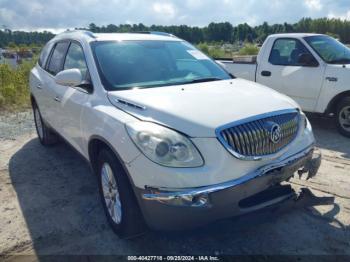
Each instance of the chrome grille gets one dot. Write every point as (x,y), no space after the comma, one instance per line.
(261,136)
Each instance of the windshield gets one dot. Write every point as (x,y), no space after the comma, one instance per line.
(330,50)
(140,64)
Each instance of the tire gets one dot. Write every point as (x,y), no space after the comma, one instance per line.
(117,196)
(343,117)
(46,136)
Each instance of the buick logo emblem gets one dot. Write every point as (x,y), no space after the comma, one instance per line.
(275,133)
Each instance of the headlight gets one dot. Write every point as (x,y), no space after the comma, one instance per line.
(304,122)
(163,145)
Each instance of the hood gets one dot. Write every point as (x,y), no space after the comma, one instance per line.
(198,109)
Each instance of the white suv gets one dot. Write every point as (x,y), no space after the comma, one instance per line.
(174,139)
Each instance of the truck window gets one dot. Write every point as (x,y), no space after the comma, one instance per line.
(329,49)
(286,52)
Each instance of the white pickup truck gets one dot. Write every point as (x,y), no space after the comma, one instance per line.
(312,69)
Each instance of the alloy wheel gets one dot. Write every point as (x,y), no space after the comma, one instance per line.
(111,193)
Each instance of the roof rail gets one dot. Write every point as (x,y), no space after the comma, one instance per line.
(85,32)
(155,33)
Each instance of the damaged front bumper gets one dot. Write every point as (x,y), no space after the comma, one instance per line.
(180,209)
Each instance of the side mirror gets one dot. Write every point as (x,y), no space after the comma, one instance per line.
(69,77)
(307,59)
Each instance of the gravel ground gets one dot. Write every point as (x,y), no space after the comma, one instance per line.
(15,125)
(49,204)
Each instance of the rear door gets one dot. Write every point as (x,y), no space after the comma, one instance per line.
(53,66)
(282,71)
(39,86)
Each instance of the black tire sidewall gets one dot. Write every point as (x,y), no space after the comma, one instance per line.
(41,139)
(49,137)
(343,103)
(131,219)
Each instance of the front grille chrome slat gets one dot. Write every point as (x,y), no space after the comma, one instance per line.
(247,140)
(242,140)
(256,138)
(259,138)
(237,141)
(229,139)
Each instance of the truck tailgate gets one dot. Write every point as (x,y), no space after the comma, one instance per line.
(243,70)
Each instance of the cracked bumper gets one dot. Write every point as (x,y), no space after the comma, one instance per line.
(185,208)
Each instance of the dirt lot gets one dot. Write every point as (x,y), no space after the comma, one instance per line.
(49,204)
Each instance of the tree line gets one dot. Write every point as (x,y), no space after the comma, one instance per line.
(18,38)
(214,32)
(226,32)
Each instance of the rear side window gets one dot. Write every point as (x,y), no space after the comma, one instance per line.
(56,61)
(286,52)
(75,59)
(44,54)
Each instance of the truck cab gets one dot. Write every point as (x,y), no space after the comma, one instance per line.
(312,69)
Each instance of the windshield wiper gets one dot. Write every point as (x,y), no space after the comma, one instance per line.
(340,61)
(201,80)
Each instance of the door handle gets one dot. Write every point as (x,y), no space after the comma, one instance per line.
(265,73)
(57,99)
(39,86)
(331,79)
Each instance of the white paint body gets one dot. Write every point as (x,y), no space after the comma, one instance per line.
(308,86)
(194,109)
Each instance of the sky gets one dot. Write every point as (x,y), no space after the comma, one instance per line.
(59,15)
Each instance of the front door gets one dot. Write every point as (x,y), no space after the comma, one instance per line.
(284,73)
(73,100)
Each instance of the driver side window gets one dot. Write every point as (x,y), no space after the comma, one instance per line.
(75,59)
(287,52)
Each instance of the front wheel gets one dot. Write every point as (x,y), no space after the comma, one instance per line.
(343,117)
(118,199)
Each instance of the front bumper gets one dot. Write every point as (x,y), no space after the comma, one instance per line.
(166,209)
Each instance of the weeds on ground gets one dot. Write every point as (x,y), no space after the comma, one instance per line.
(249,49)
(14,88)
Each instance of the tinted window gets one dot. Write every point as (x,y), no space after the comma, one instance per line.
(287,52)
(129,64)
(75,59)
(57,57)
(44,54)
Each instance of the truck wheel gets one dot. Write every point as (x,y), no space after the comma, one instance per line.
(118,199)
(343,117)
(45,135)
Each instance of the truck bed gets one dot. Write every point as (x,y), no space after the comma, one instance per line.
(241,66)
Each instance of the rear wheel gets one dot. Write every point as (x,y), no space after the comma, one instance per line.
(343,117)
(118,199)
(45,135)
